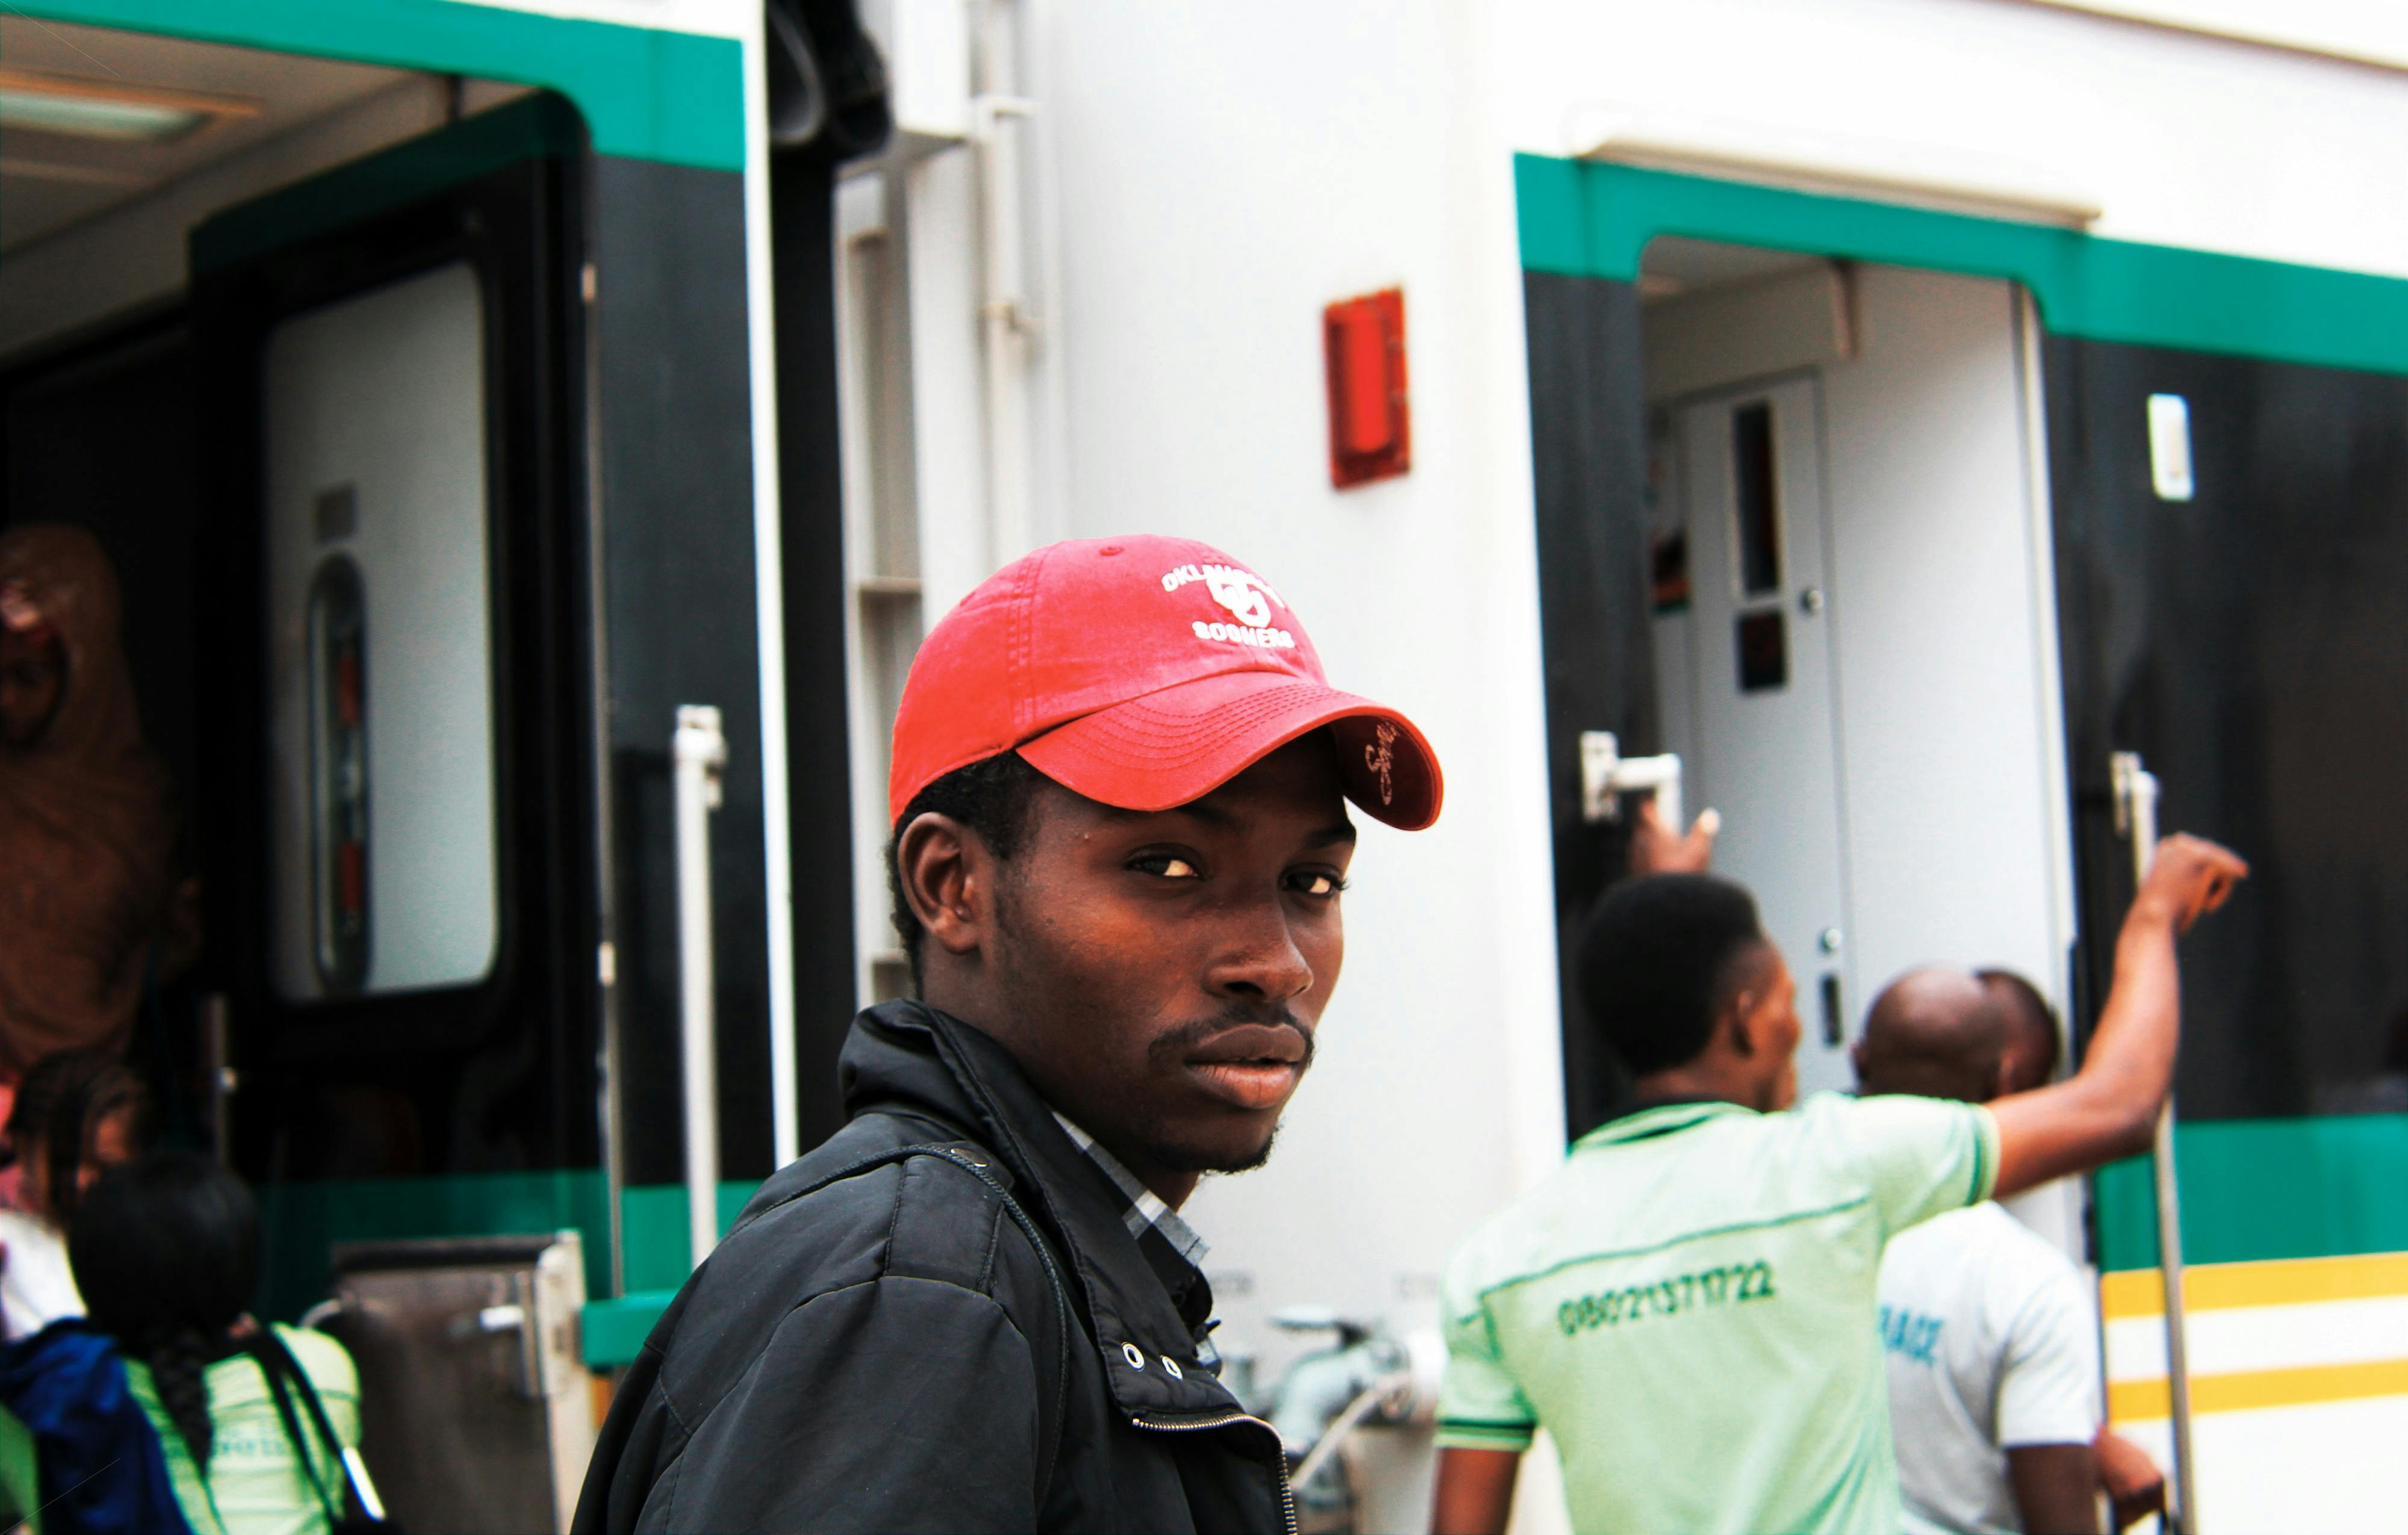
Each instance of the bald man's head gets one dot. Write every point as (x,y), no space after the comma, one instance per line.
(1934,1033)
(2032,1029)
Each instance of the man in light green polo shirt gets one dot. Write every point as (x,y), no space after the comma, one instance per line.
(1688,1304)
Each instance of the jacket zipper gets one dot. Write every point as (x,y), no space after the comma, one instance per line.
(1287,1492)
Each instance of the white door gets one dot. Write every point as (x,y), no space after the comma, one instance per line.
(1761,718)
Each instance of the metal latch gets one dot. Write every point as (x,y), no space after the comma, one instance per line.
(1607,774)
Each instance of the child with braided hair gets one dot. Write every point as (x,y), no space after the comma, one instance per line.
(167,1251)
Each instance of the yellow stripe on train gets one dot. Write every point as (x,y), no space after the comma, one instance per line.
(2138,1402)
(2282,1282)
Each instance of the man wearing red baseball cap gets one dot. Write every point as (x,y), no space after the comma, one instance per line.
(1118,796)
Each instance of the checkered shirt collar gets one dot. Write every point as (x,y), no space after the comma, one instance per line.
(1158,1230)
(1171,1247)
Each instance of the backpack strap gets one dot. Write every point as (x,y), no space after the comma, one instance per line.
(982,1165)
(275,1362)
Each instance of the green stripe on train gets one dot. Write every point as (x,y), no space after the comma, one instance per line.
(1588,219)
(646,93)
(2254,1189)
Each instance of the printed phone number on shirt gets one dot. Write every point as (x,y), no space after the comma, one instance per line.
(1730,1284)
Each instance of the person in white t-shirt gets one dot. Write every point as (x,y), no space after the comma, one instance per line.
(1989,1330)
(2135,1487)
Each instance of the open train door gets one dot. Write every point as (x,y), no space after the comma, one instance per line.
(402,856)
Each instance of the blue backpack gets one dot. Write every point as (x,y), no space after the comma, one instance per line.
(102,1472)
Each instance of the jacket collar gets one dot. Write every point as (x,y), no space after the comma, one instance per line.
(903,1057)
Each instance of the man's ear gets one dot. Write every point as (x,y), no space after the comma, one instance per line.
(1739,1023)
(947,876)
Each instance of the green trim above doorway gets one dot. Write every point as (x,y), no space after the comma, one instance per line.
(646,93)
(1590,218)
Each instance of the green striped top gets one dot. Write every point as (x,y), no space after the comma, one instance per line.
(1687,1306)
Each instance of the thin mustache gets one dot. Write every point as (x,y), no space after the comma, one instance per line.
(1167,1049)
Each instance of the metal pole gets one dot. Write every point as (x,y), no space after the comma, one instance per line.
(217,1049)
(2136,815)
(698,752)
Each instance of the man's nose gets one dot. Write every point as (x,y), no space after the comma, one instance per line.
(1256,958)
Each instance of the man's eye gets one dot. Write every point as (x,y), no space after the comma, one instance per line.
(1319,884)
(1170,866)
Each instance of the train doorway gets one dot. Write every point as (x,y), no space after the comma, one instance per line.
(2081,497)
(416,413)
(1834,525)
(300,349)
(1844,535)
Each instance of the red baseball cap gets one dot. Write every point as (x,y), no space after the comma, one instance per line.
(1141,672)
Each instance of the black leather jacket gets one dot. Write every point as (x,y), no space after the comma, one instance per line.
(884,1343)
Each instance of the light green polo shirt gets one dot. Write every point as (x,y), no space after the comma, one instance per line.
(254,1486)
(254,1483)
(1687,1307)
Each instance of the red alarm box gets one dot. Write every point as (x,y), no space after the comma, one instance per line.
(1370,429)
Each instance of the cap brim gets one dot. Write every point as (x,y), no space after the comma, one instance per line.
(1183,743)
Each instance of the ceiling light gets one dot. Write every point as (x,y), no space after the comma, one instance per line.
(84,117)
(121,114)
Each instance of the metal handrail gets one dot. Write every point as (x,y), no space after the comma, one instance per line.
(2136,817)
(698,752)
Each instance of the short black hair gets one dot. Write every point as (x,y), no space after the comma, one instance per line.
(1656,962)
(991,796)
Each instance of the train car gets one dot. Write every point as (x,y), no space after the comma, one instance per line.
(1897,410)
(416,363)
(1901,411)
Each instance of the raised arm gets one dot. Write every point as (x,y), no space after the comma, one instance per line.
(2108,1108)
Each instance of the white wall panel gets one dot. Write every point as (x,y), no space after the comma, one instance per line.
(1224,172)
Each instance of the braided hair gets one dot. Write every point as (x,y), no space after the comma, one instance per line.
(180,1362)
(166,1252)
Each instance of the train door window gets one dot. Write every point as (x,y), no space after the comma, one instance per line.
(1755,501)
(1758,722)
(2249,647)
(379,642)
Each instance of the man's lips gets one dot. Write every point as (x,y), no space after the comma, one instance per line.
(1251,1042)
(1252,1066)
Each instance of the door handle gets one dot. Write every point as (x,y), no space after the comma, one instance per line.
(1605,773)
